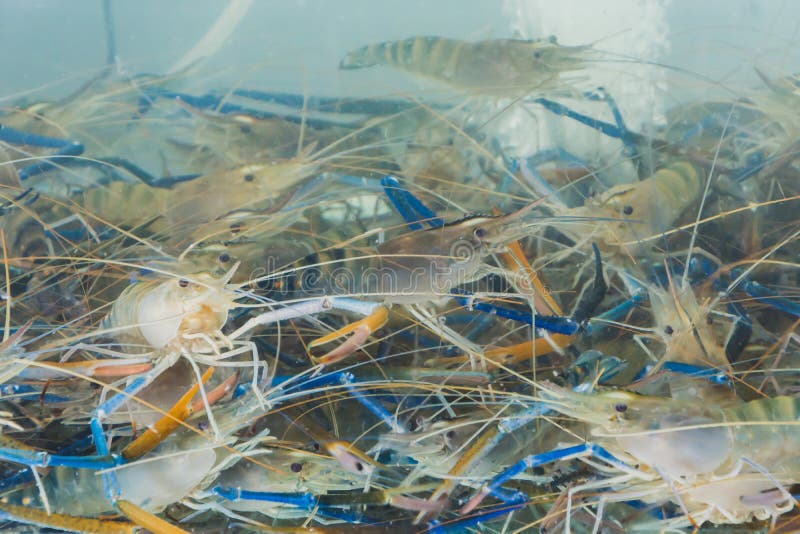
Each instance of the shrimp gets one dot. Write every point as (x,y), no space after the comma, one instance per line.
(424,266)
(500,67)
(153,485)
(173,314)
(721,465)
(295,471)
(158,321)
(684,327)
(184,207)
(640,211)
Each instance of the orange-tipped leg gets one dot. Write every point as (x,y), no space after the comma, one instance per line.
(162,428)
(512,354)
(516,262)
(526,349)
(361,331)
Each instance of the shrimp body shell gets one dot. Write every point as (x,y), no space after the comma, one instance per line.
(158,313)
(152,485)
(293,472)
(497,67)
(643,209)
(187,207)
(708,453)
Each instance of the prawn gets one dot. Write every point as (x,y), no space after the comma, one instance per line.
(496,67)
(641,210)
(702,457)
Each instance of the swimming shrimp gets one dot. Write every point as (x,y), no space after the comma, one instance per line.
(498,67)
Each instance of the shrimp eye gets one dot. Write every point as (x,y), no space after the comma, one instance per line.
(249,177)
(359,466)
(479,233)
(709,320)
(621,408)
(224,257)
(451,434)
(669,330)
(245,129)
(183,282)
(627,210)
(537,55)
(296,467)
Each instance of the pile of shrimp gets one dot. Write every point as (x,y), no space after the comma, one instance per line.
(259,311)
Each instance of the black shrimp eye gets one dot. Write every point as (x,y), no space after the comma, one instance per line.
(249,177)
(479,233)
(245,129)
(224,257)
(359,466)
(451,434)
(621,408)
(709,320)
(183,282)
(668,330)
(627,210)
(296,467)
(537,55)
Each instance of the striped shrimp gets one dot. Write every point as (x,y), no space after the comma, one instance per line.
(721,465)
(497,67)
(640,211)
(181,209)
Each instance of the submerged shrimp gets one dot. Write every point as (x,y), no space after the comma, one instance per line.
(496,67)
(640,210)
(726,465)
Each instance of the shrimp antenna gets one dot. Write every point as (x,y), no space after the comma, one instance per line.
(7,327)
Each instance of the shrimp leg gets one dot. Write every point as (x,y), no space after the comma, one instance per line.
(65,147)
(592,367)
(510,504)
(409,206)
(584,450)
(617,131)
(552,323)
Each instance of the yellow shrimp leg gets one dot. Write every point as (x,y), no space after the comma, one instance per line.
(469,459)
(162,428)
(34,516)
(515,261)
(521,351)
(147,520)
(361,329)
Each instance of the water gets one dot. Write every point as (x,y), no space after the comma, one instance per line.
(176,224)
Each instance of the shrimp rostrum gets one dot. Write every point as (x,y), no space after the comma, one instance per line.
(719,465)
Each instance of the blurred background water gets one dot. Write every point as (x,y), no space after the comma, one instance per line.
(296,44)
(654,54)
